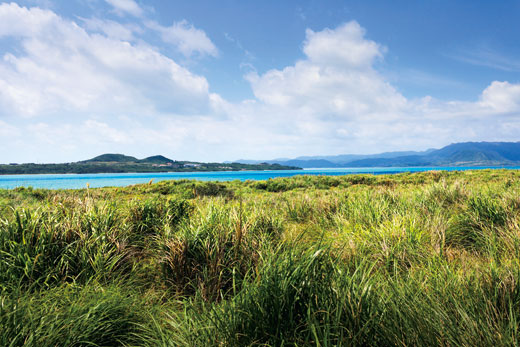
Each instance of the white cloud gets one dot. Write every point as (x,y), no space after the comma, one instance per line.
(344,46)
(126,6)
(60,67)
(7,130)
(105,132)
(334,101)
(501,97)
(19,21)
(186,38)
(112,28)
(335,81)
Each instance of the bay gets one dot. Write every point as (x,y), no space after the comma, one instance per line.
(78,181)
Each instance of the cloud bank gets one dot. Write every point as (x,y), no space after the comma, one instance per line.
(73,89)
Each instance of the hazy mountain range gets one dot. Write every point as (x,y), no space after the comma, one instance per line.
(457,154)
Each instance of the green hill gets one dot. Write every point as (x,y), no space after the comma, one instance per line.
(112,158)
(119,163)
(156,159)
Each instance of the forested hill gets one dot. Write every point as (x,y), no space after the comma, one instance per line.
(119,163)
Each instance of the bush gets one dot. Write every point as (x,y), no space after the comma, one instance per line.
(201,189)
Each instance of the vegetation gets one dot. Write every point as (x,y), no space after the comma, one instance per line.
(429,259)
(119,163)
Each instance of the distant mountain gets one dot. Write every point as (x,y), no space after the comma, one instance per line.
(121,158)
(112,158)
(156,159)
(332,161)
(345,158)
(307,163)
(500,151)
(457,154)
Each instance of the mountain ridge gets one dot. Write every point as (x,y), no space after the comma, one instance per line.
(122,158)
(455,154)
(111,158)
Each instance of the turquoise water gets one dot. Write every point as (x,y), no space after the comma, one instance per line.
(74,181)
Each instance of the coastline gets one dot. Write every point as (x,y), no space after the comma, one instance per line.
(99,180)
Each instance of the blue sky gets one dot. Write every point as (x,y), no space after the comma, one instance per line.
(222,80)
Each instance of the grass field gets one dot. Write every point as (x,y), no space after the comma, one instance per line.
(423,259)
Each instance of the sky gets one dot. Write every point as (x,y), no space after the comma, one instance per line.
(230,79)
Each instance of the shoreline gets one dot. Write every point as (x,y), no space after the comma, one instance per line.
(99,180)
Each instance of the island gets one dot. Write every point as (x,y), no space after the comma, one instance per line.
(120,163)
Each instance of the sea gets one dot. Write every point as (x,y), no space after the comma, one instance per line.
(78,181)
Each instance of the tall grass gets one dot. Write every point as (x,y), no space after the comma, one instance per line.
(43,248)
(74,316)
(426,259)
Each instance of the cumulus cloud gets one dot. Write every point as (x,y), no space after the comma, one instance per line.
(335,81)
(501,97)
(186,38)
(335,101)
(126,7)
(61,67)
(83,88)
(19,21)
(343,46)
